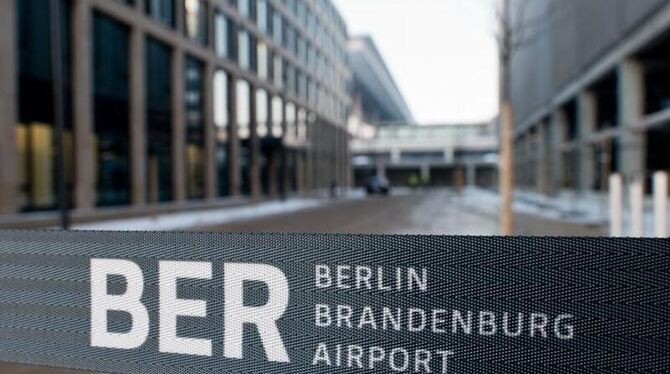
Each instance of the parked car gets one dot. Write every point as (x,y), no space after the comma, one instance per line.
(378,185)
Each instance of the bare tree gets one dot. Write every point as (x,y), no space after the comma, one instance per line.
(515,31)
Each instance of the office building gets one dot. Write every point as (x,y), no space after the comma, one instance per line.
(172,101)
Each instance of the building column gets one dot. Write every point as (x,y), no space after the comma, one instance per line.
(9,181)
(558,130)
(271,161)
(84,138)
(543,159)
(254,148)
(211,182)
(631,110)
(178,127)
(587,108)
(138,148)
(284,185)
(234,171)
(471,174)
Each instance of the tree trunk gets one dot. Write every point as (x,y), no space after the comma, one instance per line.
(506,167)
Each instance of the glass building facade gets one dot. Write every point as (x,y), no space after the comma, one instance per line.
(177,100)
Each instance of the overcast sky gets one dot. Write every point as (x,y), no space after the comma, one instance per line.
(442,53)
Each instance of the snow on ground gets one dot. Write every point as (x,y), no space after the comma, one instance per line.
(203,218)
(591,209)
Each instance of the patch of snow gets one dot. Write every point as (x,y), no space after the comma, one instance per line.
(202,218)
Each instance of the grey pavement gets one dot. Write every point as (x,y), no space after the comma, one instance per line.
(428,212)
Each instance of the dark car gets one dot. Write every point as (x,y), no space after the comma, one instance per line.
(378,185)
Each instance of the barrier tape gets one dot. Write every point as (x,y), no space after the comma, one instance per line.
(127,302)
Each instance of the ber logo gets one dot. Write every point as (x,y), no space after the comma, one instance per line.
(236,314)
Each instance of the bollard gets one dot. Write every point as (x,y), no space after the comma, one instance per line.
(661,204)
(637,208)
(616,198)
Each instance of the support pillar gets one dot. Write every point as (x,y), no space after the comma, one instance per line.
(631,109)
(283,163)
(84,138)
(255,148)
(9,180)
(234,171)
(137,131)
(471,174)
(273,187)
(558,130)
(587,108)
(211,181)
(543,159)
(178,127)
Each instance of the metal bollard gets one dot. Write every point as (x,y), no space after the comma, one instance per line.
(616,206)
(637,208)
(661,204)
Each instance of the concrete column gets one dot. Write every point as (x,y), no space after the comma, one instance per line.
(273,187)
(558,130)
(9,181)
(255,148)
(272,173)
(631,109)
(471,174)
(543,159)
(234,171)
(284,185)
(178,126)
(211,180)
(587,109)
(86,158)
(309,162)
(138,148)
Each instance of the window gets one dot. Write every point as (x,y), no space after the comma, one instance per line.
(195,14)
(244,8)
(111,108)
(159,120)
(243,109)
(35,131)
(220,115)
(221,38)
(194,110)
(301,133)
(262,15)
(277,113)
(243,50)
(277,25)
(261,113)
(262,55)
(290,133)
(277,71)
(161,10)
(220,107)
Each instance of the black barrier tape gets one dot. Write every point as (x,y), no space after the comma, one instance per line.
(285,303)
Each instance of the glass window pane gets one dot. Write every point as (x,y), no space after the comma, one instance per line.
(161,10)
(220,107)
(159,120)
(262,15)
(195,14)
(194,109)
(243,109)
(243,49)
(261,113)
(221,35)
(277,113)
(262,55)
